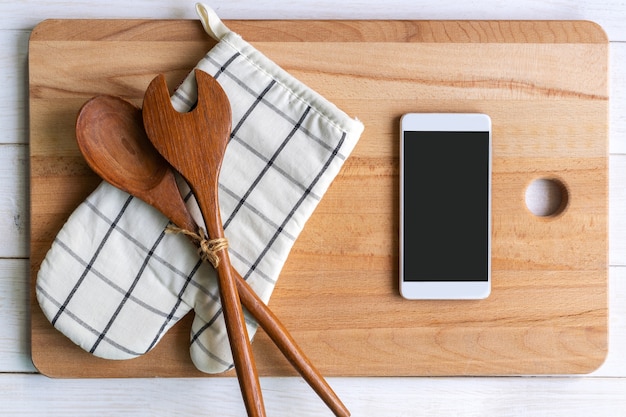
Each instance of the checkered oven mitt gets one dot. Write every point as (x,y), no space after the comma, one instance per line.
(114,282)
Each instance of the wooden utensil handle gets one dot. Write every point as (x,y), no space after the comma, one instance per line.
(240,345)
(273,327)
(288,346)
(239,341)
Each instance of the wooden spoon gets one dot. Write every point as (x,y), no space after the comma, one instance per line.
(194,143)
(111,137)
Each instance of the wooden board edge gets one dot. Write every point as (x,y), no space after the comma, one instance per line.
(439,31)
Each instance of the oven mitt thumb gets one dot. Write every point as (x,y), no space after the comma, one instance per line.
(114,281)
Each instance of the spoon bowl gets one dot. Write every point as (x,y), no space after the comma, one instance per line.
(110,135)
(119,152)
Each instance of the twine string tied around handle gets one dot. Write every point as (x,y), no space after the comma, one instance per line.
(207,248)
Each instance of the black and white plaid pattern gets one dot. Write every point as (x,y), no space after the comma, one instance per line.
(114,282)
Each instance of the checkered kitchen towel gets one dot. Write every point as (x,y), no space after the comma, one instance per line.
(114,282)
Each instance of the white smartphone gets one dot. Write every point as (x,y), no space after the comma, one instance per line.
(445,206)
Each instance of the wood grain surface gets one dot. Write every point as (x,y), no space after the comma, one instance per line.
(545,86)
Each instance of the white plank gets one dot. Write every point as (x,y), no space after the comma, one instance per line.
(14,216)
(617,99)
(14,80)
(608,13)
(615,363)
(617,210)
(573,397)
(14,310)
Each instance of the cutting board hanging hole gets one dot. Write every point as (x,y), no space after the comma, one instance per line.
(547,197)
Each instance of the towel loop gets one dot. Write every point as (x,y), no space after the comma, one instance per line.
(211,22)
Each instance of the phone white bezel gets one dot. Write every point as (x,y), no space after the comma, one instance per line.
(443,290)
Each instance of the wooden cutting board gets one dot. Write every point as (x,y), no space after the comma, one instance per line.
(544,84)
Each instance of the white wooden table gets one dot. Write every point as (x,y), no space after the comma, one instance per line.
(24,392)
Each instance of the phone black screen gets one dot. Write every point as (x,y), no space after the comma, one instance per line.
(446,206)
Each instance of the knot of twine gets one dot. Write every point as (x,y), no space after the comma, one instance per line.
(207,249)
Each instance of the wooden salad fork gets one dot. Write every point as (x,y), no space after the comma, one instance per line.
(194,143)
